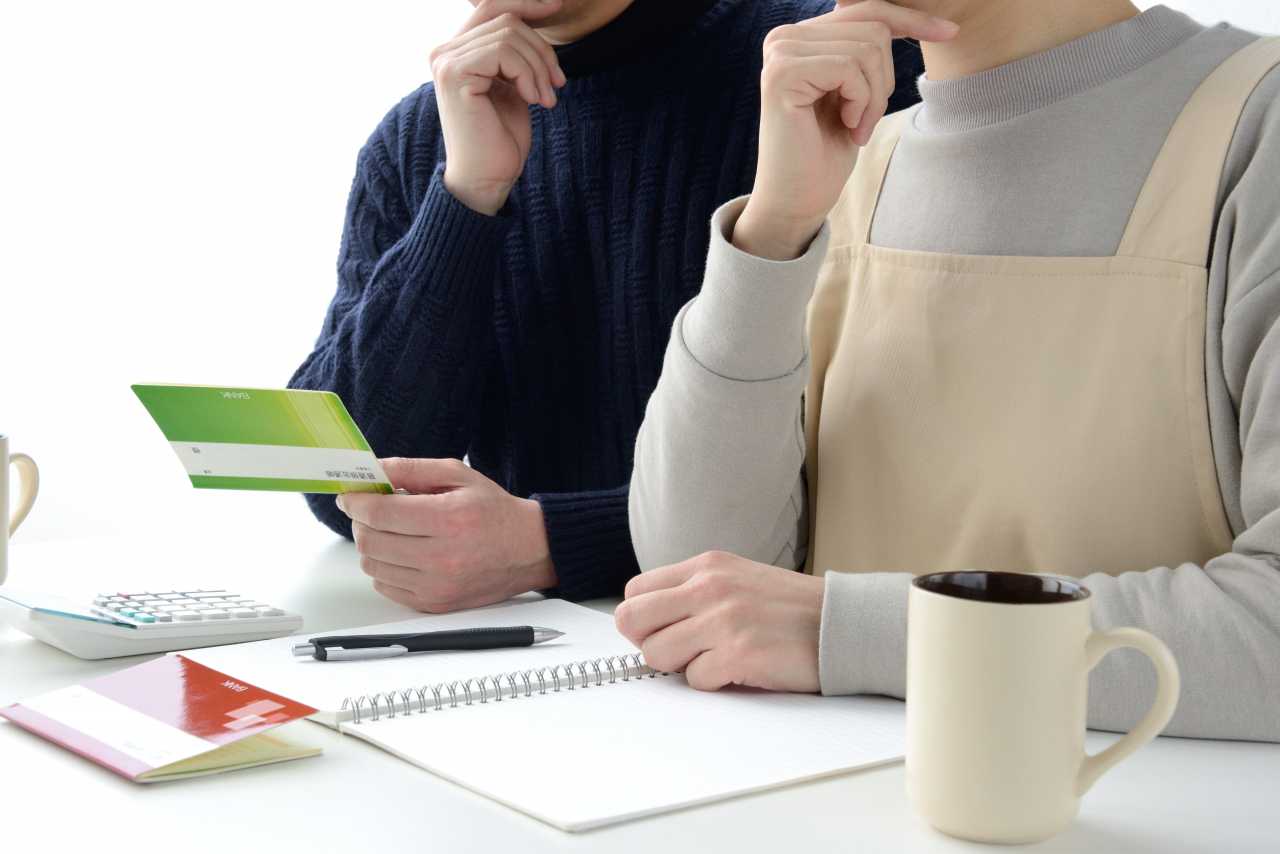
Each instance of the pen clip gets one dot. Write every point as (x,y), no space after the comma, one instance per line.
(337,653)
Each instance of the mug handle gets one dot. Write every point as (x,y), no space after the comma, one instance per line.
(29,480)
(1099,644)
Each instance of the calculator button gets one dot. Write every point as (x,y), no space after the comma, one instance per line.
(250,604)
(131,595)
(199,606)
(114,606)
(185,615)
(144,618)
(243,612)
(183,601)
(163,618)
(268,611)
(128,612)
(170,596)
(101,600)
(215,614)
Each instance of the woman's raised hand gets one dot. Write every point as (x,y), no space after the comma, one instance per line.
(826,83)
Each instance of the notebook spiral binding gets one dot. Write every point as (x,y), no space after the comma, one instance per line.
(632,666)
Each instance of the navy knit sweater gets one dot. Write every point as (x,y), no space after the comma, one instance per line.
(531,340)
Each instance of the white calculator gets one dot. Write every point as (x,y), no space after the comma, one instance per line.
(132,623)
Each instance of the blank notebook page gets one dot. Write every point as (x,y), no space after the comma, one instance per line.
(589,756)
(654,745)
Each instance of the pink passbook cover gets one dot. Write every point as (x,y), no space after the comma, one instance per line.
(153,715)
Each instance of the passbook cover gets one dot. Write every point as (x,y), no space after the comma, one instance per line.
(281,440)
(165,720)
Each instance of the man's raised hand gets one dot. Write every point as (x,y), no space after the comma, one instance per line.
(485,78)
(826,83)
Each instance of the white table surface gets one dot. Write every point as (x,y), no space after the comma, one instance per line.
(1176,795)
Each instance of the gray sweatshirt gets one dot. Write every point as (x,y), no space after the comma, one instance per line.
(1044,156)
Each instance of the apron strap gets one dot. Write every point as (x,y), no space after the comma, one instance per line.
(862,191)
(1173,217)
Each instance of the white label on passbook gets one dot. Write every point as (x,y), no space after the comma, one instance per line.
(287,462)
(131,732)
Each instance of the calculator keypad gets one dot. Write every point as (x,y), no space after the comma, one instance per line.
(182,607)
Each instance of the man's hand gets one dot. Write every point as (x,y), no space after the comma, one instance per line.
(723,620)
(484,78)
(826,83)
(462,542)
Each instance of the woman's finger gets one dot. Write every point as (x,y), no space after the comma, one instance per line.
(641,616)
(672,648)
(901,21)
(802,81)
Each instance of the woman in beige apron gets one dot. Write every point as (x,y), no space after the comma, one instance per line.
(1024,414)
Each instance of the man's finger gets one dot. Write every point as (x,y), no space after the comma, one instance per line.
(902,22)
(399,595)
(403,577)
(427,476)
(400,549)
(521,30)
(521,45)
(527,10)
(411,515)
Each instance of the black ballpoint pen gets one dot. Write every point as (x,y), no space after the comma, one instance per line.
(360,647)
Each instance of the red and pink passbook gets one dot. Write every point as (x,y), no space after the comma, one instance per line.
(167,719)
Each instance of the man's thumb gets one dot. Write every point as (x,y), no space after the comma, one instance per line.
(424,476)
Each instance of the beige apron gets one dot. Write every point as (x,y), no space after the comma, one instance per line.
(1023,414)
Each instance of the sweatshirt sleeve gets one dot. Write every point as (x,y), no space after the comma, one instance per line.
(720,454)
(407,338)
(1222,620)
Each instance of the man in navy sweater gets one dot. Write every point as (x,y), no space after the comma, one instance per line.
(519,237)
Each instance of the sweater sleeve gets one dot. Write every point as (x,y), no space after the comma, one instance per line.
(1222,620)
(407,338)
(719,456)
(590,543)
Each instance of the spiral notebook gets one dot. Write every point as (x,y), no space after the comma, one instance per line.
(583,734)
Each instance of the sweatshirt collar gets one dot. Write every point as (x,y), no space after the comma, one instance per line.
(1008,91)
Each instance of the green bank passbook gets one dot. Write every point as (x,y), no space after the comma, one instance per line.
(283,440)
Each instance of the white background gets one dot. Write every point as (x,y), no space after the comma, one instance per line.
(172,182)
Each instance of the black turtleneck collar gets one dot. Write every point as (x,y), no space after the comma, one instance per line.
(642,26)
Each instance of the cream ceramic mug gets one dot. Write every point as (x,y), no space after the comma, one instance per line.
(29,482)
(997,679)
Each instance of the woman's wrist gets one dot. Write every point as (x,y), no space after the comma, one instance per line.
(770,236)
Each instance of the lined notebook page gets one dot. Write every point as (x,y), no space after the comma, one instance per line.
(270,664)
(654,745)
